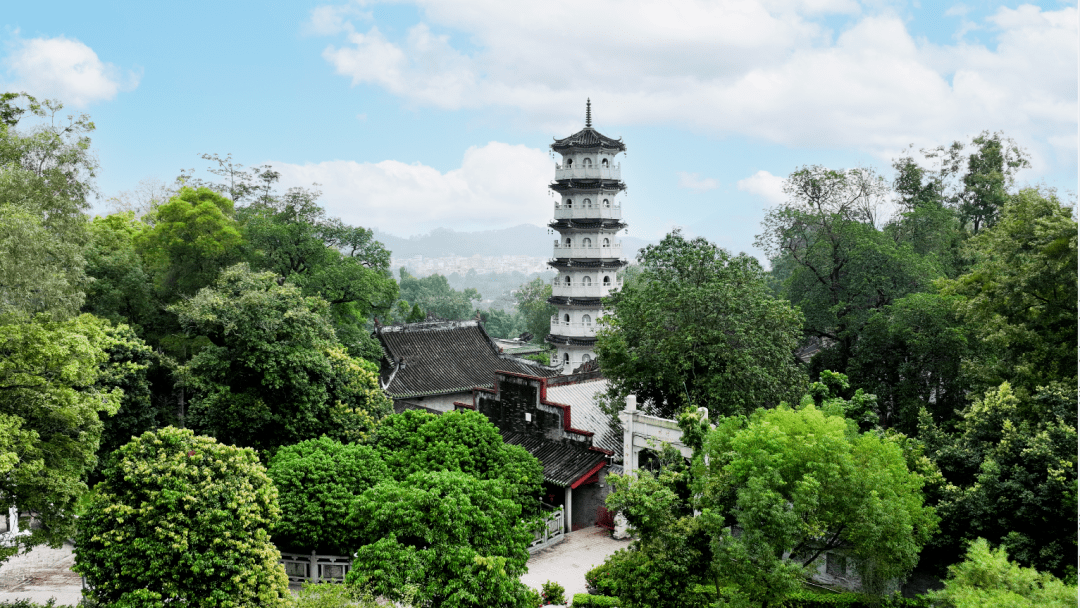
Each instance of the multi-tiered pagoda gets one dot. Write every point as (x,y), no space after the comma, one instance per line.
(587,254)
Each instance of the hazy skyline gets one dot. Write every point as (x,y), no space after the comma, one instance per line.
(416,115)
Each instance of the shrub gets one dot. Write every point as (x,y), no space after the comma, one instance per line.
(587,600)
(553,593)
(317,481)
(600,581)
(185,520)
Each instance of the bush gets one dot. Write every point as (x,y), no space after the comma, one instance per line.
(553,593)
(600,581)
(185,520)
(317,481)
(588,600)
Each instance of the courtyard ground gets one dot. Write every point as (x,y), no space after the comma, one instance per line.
(44,573)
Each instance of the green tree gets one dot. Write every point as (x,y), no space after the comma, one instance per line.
(1011,477)
(842,267)
(800,482)
(434,295)
(182,519)
(988,579)
(126,370)
(273,372)
(1020,294)
(121,291)
(532,304)
(50,413)
(502,324)
(699,326)
(194,236)
(462,441)
(344,265)
(452,537)
(317,481)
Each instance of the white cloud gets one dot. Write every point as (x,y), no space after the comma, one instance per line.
(768,70)
(65,69)
(769,187)
(497,185)
(693,181)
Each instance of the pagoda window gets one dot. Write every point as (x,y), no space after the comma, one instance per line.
(569,163)
(586,320)
(568,279)
(607,203)
(607,243)
(586,162)
(586,242)
(568,242)
(585,358)
(586,281)
(607,281)
(588,203)
(569,203)
(604,163)
(566,358)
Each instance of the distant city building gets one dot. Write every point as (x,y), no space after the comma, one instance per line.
(587,217)
(420,266)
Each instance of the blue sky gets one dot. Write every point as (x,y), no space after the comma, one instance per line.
(416,115)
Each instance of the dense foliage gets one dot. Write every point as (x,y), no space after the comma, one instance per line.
(182,518)
(988,579)
(699,326)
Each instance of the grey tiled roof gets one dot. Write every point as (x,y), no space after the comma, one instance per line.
(585,412)
(564,462)
(588,138)
(442,357)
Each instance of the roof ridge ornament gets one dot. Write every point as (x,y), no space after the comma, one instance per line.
(588,113)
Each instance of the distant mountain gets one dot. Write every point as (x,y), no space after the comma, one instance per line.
(524,239)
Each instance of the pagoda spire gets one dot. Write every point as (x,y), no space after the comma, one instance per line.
(588,113)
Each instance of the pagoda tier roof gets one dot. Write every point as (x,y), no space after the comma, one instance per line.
(588,139)
(556,339)
(588,224)
(566,301)
(572,263)
(586,185)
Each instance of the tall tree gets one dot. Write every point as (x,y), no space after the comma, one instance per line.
(434,295)
(273,372)
(699,326)
(532,303)
(842,266)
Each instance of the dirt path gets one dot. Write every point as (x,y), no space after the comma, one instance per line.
(40,574)
(567,562)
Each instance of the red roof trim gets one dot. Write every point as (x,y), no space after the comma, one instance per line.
(586,476)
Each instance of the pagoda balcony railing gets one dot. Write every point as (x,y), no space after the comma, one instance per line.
(577,251)
(596,289)
(577,212)
(573,330)
(597,171)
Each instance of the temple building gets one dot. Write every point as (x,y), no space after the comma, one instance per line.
(588,216)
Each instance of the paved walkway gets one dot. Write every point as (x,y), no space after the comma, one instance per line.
(567,562)
(43,572)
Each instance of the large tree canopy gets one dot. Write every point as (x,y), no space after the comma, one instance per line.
(273,372)
(699,326)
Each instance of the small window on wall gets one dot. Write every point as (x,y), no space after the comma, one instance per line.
(607,243)
(586,281)
(567,279)
(569,163)
(604,162)
(586,162)
(568,241)
(586,242)
(569,203)
(588,203)
(607,281)
(607,204)
(566,358)
(586,320)
(566,318)
(585,358)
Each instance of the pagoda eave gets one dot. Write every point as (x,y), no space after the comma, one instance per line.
(568,301)
(569,341)
(586,185)
(589,263)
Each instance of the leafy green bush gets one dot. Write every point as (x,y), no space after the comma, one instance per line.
(599,580)
(185,520)
(987,578)
(586,600)
(317,481)
(553,593)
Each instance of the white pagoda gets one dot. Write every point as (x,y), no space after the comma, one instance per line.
(587,256)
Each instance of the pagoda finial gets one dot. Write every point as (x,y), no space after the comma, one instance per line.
(588,112)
